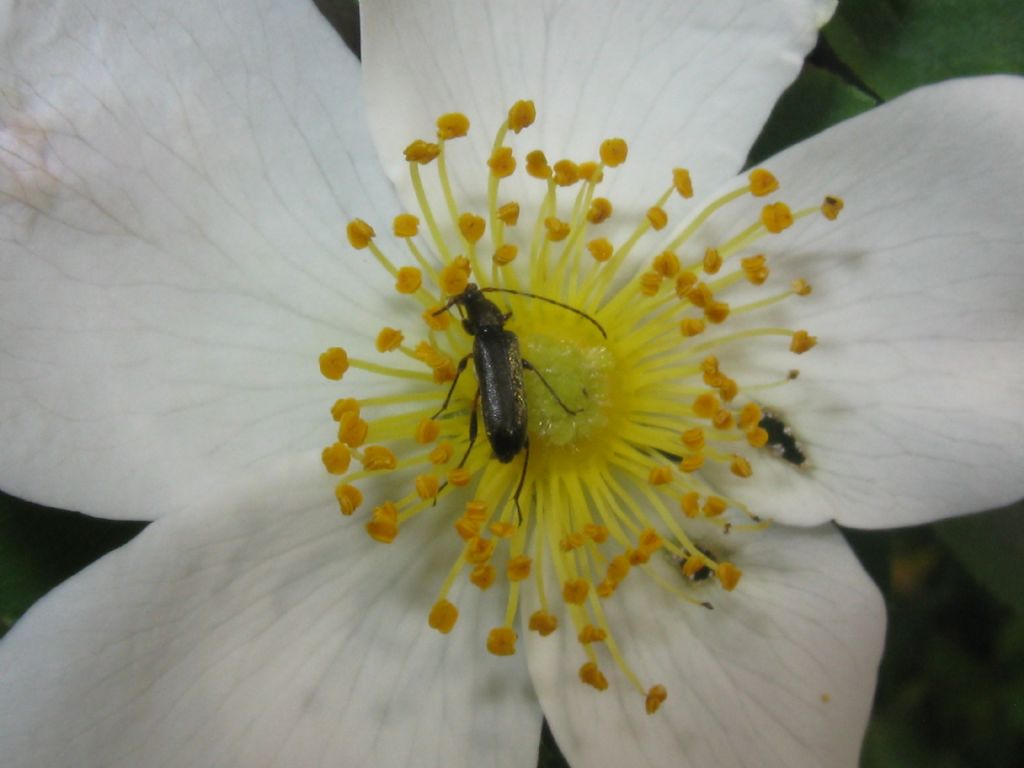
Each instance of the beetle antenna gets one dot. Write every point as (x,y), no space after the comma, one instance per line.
(448,305)
(549,301)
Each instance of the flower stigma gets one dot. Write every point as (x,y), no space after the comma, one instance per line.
(627,404)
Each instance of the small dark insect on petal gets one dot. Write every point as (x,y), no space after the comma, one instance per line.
(781,439)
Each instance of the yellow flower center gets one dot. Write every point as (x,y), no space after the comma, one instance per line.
(563,426)
(581,371)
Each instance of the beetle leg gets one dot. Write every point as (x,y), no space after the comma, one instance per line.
(529,367)
(522,479)
(472,440)
(458,372)
(472,428)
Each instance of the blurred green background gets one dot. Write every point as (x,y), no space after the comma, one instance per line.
(951,687)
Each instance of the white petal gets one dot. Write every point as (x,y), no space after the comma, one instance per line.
(685,83)
(911,407)
(781,672)
(175,181)
(262,629)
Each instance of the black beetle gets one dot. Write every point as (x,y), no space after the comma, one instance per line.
(499,367)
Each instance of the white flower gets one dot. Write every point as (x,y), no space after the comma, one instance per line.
(177,179)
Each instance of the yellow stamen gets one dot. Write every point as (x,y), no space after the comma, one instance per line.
(614,152)
(557,230)
(706,405)
(521,115)
(409,280)
(716,312)
(518,568)
(427,431)
(802,341)
(694,564)
(334,363)
(336,458)
(801,287)
(359,234)
(406,225)
(592,676)
(692,463)
(591,171)
(455,277)
(650,282)
(509,214)
(729,576)
(600,249)
(776,217)
(657,217)
(712,261)
(427,486)
(831,207)
(377,457)
(762,182)
(479,550)
(483,576)
(682,182)
(472,227)
(714,506)
(572,541)
(741,467)
(600,210)
(685,283)
(692,326)
(441,454)
(537,165)
(755,268)
(452,126)
(349,498)
(421,152)
(693,438)
(655,698)
(591,634)
(666,264)
(503,530)
(543,623)
(565,173)
(757,437)
(459,477)
(575,591)
(383,525)
(660,476)
(352,430)
(436,319)
(343,406)
(690,504)
(750,416)
(443,616)
(502,641)
(502,163)
(506,254)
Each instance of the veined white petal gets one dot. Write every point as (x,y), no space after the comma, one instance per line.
(781,672)
(685,83)
(175,181)
(911,406)
(258,628)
